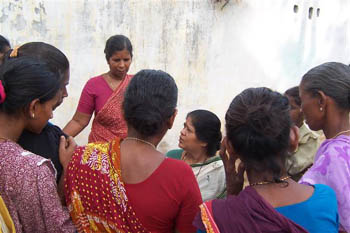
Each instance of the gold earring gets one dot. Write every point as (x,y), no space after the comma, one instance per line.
(33,115)
(321,109)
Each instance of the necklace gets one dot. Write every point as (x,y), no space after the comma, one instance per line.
(341,132)
(199,171)
(140,140)
(269,182)
(183,157)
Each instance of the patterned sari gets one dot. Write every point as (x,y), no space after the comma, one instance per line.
(96,196)
(109,121)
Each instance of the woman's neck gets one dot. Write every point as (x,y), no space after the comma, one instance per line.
(10,127)
(113,77)
(257,177)
(336,124)
(132,133)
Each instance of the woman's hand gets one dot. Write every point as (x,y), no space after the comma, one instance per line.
(234,177)
(66,150)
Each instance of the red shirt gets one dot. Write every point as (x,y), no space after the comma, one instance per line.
(95,94)
(168,199)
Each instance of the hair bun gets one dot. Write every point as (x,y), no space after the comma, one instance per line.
(146,120)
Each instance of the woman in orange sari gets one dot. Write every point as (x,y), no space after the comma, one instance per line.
(126,185)
(103,95)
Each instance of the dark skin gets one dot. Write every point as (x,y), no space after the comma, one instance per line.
(135,166)
(296,114)
(322,113)
(275,194)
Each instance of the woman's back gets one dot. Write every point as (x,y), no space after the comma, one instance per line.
(127,185)
(167,199)
(250,212)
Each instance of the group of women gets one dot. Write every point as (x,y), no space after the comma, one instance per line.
(120,182)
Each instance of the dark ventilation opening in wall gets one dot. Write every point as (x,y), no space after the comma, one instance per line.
(318,12)
(296,8)
(311,12)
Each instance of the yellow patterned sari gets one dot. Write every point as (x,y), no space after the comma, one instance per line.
(95,193)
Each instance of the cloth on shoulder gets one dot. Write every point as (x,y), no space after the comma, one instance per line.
(247,212)
(332,168)
(99,200)
(95,194)
(45,144)
(109,121)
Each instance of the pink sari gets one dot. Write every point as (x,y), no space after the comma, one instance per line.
(109,121)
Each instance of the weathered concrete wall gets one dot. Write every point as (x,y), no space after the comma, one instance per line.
(213,53)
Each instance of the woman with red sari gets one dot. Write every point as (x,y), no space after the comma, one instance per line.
(259,133)
(103,95)
(127,185)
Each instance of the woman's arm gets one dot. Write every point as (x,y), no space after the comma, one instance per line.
(66,150)
(77,124)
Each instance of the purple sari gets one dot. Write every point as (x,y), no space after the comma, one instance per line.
(247,212)
(332,168)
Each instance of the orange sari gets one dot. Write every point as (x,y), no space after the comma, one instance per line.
(95,193)
(109,121)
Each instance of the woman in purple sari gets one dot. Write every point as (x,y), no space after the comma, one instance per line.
(325,97)
(260,133)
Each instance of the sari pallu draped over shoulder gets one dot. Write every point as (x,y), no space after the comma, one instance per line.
(109,121)
(95,194)
(247,212)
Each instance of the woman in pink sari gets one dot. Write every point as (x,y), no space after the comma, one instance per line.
(103,95)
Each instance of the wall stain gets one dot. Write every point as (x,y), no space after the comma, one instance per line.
(19,23)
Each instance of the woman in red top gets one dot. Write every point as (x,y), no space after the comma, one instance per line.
(126,185)
(103,95)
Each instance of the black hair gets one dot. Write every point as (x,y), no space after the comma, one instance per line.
(258,126)
(3,44)
(333,79)
(25,79)
(117,43)
(149,101)
(294,93)
(207,128)
(56,61)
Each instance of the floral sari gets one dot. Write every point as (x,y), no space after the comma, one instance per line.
(95,193)
(109,121)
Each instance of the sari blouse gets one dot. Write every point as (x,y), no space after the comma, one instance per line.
(98,97)
(99,201)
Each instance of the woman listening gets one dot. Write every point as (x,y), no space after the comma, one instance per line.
(325,101)
(259,133)
(29,91)
(127,185)
(199,141)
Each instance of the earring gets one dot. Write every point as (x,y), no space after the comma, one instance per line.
(321,109)
(33,115)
